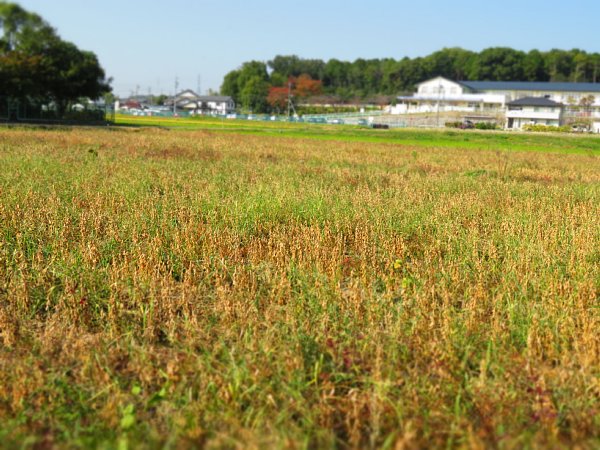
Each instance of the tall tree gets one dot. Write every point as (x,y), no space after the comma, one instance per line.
(533,67)
(559,65)
(235,84)
(36,63)
(498,64)
(278,97)
(254,94)
(305,86)
(21,28)
(230,85)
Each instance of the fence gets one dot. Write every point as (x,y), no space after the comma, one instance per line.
(373,119)
(30,111)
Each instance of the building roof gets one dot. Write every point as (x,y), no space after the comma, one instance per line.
(531,86)
(535,101)
(190,96)
(214,98)
(489,98)
(187,91)
(139,98)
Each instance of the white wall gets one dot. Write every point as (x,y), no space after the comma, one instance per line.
(440,86)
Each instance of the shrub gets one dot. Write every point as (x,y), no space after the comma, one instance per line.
(547,128)
(486,126)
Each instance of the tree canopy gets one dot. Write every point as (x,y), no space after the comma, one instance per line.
(369,78)
(35,63)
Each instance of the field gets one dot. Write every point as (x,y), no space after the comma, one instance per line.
(269,286)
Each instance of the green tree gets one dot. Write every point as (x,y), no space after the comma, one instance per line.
(254,95)
(534,67)
(498,64)
(583,66)
(235,83)
(559,65)
(159,99)
(21,28)
(344,81)
(70,73)
(452,63)
(335,74)
(250,70)
(36,64)
(293,66)
(230,85)
(278,79)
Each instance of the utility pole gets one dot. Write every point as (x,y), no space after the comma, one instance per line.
(289,99)
(175,96)
(290,102)
(199,85)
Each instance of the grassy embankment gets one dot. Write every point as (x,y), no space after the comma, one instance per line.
(196,288)
(464,139)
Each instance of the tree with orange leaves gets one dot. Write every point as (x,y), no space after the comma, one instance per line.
(305,86)
(278,97)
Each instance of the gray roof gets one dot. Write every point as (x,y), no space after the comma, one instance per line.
(531,86)
(186,92)
(214,98)
(200,98)
(535,101)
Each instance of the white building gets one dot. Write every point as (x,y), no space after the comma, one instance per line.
(533,111)
(492,97)
(441,94)
(216,104)
(188,100)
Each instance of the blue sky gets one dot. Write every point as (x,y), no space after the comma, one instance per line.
(145,44)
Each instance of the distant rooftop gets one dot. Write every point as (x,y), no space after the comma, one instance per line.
(535,101)
(531,86)
(214,98)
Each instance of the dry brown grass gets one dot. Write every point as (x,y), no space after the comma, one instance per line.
(198,289)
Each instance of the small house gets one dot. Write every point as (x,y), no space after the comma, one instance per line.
(533,111)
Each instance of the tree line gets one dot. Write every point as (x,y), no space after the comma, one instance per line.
(37,66)
(252,84)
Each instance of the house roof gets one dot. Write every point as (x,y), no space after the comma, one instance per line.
(439,77)
(187,91)
(535,101)
(214,98)
(531,86)
(190,96)
(139,98)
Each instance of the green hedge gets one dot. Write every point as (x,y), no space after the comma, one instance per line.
(477,126)
(548,128)
(453,124)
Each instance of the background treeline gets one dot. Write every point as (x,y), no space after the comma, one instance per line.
(38,67)
(366,79)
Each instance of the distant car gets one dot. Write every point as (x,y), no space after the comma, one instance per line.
(467,124)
